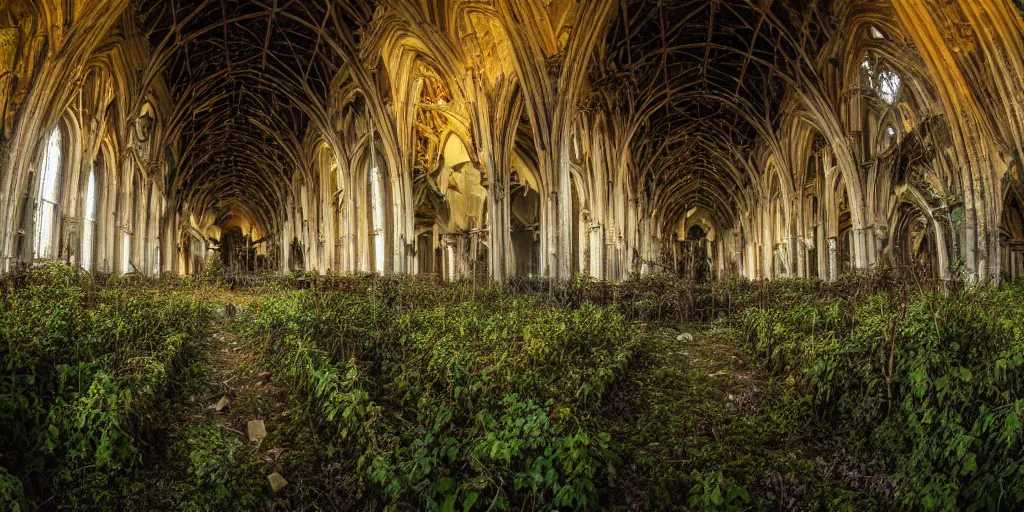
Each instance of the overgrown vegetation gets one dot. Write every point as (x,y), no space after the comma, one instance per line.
(412,394)
(937,381)
(487,403)
(85,374)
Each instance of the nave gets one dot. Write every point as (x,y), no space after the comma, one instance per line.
(509,138)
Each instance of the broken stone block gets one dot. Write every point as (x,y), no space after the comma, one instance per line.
(222,404)
(687,337)
(277,482)
(257,430)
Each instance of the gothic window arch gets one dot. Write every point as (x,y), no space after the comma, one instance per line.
(887,138)
(48,194)
(878,78)
(914,240)
(89,216)
(377,216)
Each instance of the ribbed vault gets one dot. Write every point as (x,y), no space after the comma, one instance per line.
(753,138)
(248,79)
(706,81)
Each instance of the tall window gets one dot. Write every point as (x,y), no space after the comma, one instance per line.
(888,139)
(377,205)
(126,253)
(89,227)
(884,83)
(888,86)
(46,200)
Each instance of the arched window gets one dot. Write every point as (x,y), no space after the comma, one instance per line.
(126,252)
(888,139)
(89,216)
(377,207)
(879,80)
(889,84)
(46,200)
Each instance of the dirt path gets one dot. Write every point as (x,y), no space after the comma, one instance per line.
(241,397)
(207,454)
(707,420)
(234,382)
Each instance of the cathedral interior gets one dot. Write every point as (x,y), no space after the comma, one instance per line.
(534,255)
(497,139)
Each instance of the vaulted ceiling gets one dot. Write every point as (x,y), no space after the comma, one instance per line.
(248,77)
(717,72)
(703,80)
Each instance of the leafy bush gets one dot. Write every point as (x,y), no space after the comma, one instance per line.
(937,381)
(484,404)
(85,371)
(12,495)
(211,466)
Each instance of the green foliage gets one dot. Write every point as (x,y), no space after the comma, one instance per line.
(85,370)
(213,272)
(538,461)
(212,467)
(486,404)
(712,492)
(936,380)
(417,394)
(12,495)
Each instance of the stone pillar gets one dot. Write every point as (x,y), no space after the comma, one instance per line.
(597,251)
(800,251)
(1014,264)
(860,251)
(498,235)
(833,259)
(1011,259)
(822,253)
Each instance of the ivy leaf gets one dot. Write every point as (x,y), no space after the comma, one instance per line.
(444,485)
(470,500)
(449,503)
(965,374)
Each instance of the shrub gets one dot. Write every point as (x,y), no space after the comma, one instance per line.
(212,467)
(936,380)
(85,371)
(486,403)
(12,495)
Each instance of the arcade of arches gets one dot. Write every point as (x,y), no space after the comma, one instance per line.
(721,138)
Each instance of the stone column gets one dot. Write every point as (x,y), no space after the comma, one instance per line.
(498,235)
(597,251)
(833,259)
